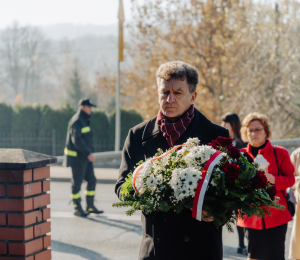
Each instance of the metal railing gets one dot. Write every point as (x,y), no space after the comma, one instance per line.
(289,144)
(100,157)
(51,144)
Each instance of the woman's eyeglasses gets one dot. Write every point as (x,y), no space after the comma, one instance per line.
(254,131)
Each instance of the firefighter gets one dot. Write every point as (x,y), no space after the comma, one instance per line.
(78,154)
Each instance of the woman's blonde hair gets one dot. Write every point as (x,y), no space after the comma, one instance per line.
(263,119)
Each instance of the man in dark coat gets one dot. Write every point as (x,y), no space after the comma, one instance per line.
(170,235)
(79,156)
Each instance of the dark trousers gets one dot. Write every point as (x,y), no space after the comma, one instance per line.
(83,171)
(267,244)
(241,234)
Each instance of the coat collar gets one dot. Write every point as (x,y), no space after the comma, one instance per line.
(266,150)
(153,138)
(84,116)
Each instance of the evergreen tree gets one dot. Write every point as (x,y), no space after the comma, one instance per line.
(74,90)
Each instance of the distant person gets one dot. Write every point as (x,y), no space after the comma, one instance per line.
(232,122)
(266,236)
(79,155)
(295,237)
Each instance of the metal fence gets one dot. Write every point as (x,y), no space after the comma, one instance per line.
(53,144)
(50,144)
(290,144)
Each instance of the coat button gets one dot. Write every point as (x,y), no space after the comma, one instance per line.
(186,239)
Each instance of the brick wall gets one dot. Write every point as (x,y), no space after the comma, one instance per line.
(24,215)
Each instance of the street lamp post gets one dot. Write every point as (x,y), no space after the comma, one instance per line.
(120,58)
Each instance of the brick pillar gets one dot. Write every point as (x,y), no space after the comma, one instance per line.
(24,200)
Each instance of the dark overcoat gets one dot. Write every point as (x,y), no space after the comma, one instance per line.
(170,235)
(79,140)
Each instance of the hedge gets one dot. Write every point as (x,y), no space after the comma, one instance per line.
(129,118)
(55,119)
(6,114)
(26,120)
(30,127)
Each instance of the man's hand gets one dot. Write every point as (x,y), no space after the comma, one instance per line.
(205,218)
(271,178)
(91,158)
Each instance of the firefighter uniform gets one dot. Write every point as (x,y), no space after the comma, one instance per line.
(79,146)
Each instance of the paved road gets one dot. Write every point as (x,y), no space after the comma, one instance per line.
(111,236)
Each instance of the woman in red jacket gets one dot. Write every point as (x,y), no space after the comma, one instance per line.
(266,236)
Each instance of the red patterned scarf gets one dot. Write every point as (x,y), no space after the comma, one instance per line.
(172,131)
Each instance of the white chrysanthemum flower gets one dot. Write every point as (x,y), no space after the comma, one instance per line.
(139,182)
(191,183)
(151,181)
(184,182)
(206,152)
(142,175)
(201,152)
(146,170)
(176,183)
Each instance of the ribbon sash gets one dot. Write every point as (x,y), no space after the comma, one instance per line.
(202,184)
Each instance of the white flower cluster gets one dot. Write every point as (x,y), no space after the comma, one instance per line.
(184,182)
(203,152)
(142,175)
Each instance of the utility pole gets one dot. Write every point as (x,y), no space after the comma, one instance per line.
(120,58)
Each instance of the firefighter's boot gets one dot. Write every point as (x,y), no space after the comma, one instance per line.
(90,207)
(78,209)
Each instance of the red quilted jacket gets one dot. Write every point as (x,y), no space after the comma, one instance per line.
(282,182)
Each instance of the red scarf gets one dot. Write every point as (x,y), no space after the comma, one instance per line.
(172,131)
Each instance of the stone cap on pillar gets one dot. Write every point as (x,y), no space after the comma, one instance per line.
(19,159)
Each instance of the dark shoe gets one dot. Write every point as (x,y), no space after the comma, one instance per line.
(242,250)
(90,207)
(78,209)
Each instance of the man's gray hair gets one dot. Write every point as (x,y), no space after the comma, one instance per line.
(178,70)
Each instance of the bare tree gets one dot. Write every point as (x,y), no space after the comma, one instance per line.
(246,52)
(269,75)
(200,32)
(23,55)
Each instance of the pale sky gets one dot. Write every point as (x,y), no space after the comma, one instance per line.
(49,12)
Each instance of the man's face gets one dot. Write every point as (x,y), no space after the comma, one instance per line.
(86,109)
(174,97)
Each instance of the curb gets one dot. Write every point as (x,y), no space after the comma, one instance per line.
(106,181)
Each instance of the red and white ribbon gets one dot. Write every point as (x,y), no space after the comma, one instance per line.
(202,184)
(140,167)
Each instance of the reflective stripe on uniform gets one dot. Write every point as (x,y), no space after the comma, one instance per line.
(85,130)
(76,196)
(90,192)
(70,153)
